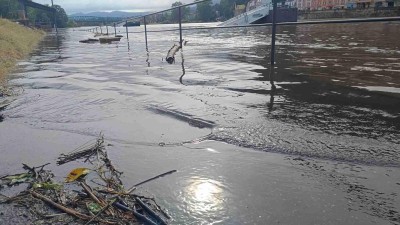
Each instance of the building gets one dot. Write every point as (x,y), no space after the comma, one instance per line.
(304,4)
(341,4)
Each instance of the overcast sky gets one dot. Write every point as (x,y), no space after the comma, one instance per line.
(74,6)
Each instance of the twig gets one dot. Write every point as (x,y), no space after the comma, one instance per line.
(101,211)
(65,209)
(91,194)
(101,202)
(148,180)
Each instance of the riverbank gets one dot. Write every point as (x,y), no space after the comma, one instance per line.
(16,42)
(349,13)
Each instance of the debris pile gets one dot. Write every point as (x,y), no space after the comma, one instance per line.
(88,196)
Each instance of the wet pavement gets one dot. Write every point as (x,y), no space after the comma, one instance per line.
(323,148)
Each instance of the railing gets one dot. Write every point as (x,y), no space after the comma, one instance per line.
(274,24)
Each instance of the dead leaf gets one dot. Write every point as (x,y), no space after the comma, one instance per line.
(76,173)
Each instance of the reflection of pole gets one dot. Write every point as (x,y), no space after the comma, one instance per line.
(145,30)
(54,15)
(180,26)
(183,69)
(273,43)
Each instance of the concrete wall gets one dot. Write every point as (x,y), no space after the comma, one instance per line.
(349,13)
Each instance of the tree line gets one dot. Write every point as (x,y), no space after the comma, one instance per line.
(10,9)
(202,12)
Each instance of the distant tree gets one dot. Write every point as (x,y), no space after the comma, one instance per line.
(205,12)
(227,7)
(9,9)
(61,16)
(175,12)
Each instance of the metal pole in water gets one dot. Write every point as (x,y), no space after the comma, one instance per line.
(107,29)
(145,31)
(54,15)
(126,26)
(180,26)
(101,30)
(273,38)
(115,30)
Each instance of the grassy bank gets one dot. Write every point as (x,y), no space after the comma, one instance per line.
(16,42)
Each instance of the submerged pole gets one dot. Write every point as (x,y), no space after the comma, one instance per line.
(126,27)
(107,29)
(54,16)
(273,39)
(115,30)
(145,30)
(180,26)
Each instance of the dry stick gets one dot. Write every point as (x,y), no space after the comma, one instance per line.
(65,209)
(148,180)
(95,198)
(101,211)
(91,194)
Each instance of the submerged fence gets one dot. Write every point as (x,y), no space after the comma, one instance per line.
(274,24)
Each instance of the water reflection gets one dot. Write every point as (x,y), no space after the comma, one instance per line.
(183,69)
(204,197)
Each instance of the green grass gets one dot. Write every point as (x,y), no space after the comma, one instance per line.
(16,42)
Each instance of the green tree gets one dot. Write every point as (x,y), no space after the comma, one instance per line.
(227,7)
(61,17)
(175,12)
(9,9)
(205,12)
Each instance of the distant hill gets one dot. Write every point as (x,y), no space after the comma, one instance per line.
(111,14)
(122,13)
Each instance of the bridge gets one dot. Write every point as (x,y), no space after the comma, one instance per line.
(25,3)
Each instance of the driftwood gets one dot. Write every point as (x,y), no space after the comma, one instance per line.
(148,180)
(65,209)
(85,151)
(89,40)
(92,205)
(171,53)
(109,39)
(99,201)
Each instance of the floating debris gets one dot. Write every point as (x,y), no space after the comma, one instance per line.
(89,40)
(82,200)
(109,39)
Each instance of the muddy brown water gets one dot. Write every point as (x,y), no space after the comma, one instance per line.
(323,148)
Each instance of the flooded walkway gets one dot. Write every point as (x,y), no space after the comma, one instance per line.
(322,149)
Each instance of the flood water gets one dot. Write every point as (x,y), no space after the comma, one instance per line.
(323,148)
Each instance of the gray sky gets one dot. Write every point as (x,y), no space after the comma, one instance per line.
(74,6)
